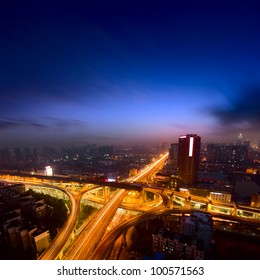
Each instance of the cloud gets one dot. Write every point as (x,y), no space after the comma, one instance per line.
(52,123)
(242,112)
(6,124)
(64,124)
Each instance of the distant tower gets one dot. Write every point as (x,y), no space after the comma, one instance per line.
(189,158)
(239,139)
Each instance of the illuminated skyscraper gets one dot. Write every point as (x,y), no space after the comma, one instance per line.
(189,158)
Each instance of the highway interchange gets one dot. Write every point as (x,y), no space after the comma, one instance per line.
(91,243)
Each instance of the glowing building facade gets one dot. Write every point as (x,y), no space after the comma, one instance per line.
(189,158)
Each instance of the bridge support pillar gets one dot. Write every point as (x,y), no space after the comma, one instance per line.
(73,188)
(187,204)
(106,193)
(235,210)
(124,238)
(144,196)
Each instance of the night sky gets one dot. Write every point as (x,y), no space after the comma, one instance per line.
(110,72)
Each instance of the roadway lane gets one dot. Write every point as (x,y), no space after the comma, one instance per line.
(62,237)
(86,242)
(88,239)
(150,169)
(107,243)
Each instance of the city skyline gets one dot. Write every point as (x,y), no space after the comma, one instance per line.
(128,72)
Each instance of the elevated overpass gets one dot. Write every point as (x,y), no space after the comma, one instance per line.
(86,242)
(219,207)
(62,181)
(79,186)
(105,246)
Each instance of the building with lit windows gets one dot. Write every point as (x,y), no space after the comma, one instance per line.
(231,157)
(189,158)
(220,196)
(192,242)
(255,200)
(199,224)
(177,246)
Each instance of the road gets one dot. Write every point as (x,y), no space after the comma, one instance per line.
(61,239)
(86,242)
(84,245)
(93,229)
(93,233)
(145,174)
(107,242)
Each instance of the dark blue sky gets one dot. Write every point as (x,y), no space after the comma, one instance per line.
(77,72)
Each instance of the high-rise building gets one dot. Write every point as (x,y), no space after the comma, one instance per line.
(189,158)
(192,241)
(200,225)
(227,154)
(173,155)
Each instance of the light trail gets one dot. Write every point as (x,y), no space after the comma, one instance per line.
(86,242)
(148,168)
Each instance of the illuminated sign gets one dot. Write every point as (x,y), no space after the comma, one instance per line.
(111,180)
(48,171)
(184,136)
(191,147)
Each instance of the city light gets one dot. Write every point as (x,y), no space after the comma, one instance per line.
(191,146)
(48,171)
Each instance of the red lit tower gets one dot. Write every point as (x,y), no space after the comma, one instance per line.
(189,158)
